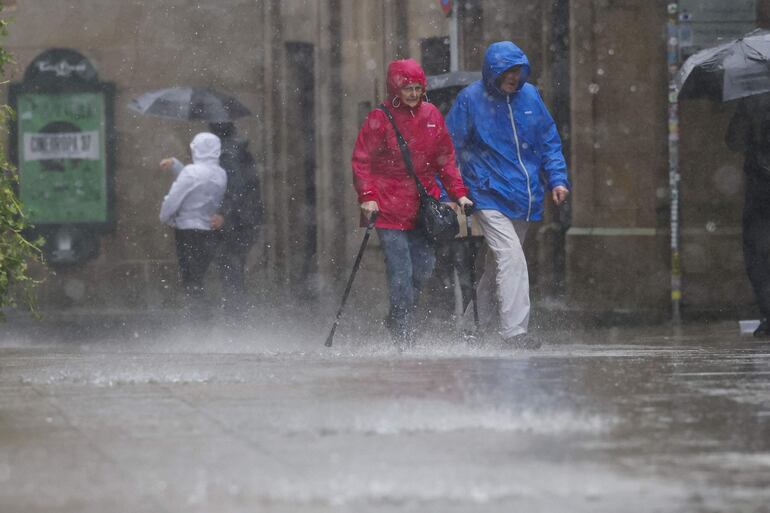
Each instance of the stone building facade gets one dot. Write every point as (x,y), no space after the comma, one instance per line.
(310,70)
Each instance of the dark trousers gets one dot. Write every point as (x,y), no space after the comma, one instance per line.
(194,251)
(756,245)
(231,263)
(409,261)
(756,254)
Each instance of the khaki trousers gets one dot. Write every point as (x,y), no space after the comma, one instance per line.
(505,282)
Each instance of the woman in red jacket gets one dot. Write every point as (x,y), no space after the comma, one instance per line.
(385,186)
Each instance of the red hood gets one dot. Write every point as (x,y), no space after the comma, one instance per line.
(401,73)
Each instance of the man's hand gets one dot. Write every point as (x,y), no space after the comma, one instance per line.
(368,208)
(217,221)
(166,164)
(459,206)
(559,194)
(463,202)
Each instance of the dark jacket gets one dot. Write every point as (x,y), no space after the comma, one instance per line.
(242,206)
(749,132)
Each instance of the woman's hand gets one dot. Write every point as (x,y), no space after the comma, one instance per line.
(368,208)
(216,222)
(166,164)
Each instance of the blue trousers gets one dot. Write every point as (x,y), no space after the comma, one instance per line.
(409,261)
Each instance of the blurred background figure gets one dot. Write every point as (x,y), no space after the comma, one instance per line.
(453,259)
(239,217)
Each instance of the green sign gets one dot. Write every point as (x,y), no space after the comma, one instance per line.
(62,163)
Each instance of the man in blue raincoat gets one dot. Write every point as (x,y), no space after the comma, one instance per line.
(509,152)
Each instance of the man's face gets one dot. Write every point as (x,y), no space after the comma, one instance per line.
(410,94)
(509,80)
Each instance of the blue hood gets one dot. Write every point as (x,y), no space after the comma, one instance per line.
(499,58)
(507,144)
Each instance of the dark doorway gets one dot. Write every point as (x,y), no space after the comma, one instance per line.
(301,168)
(560,109)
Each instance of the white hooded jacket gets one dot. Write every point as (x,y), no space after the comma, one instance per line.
(197,192)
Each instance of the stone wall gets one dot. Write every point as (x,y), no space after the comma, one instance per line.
(618,255)
(610,103)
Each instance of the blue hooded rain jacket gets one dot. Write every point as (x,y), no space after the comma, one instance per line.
(507,145)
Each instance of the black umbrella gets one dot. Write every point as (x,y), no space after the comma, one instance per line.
(452,79)
(728,71)
(443,89)
(190,103)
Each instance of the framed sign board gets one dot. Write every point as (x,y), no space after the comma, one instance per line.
(62,141)
(62,157)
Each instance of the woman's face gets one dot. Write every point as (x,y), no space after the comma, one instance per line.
(410,94)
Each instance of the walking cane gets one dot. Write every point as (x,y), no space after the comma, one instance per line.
(468,223)
(369,227)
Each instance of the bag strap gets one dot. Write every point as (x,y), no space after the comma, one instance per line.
(404,151)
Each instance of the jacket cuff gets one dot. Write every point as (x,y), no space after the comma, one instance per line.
(562,183)
(457,194)
(176,166)
(367,196)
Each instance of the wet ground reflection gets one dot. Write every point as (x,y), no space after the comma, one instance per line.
(174,419)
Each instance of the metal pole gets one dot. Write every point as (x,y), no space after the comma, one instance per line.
(369,228)
(673,159)
(472,248)
(454,45)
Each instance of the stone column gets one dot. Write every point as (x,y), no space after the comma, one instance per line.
(617,248)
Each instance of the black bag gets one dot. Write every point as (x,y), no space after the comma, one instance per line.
(437,220)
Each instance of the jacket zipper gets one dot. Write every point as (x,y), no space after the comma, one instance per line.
(518,152)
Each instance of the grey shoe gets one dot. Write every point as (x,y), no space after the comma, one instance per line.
(763,331)
(403,337)
(523,341)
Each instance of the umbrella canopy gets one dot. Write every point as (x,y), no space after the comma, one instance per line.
(452,79)
(443,89)
(729,71)
(190,103)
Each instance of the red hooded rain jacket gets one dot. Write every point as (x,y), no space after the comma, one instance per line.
(379,171)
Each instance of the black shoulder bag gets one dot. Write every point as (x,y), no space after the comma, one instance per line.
(437,220)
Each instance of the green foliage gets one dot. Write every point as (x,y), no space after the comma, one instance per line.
(16,251)
(5,57)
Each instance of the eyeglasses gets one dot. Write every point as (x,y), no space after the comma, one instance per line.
(412,89)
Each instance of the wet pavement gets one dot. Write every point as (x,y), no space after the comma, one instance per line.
(122,418)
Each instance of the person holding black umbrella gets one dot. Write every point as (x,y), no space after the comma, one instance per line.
(740,70)
(239,217)
(749,132)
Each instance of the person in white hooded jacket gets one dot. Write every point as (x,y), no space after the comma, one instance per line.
(194,198)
